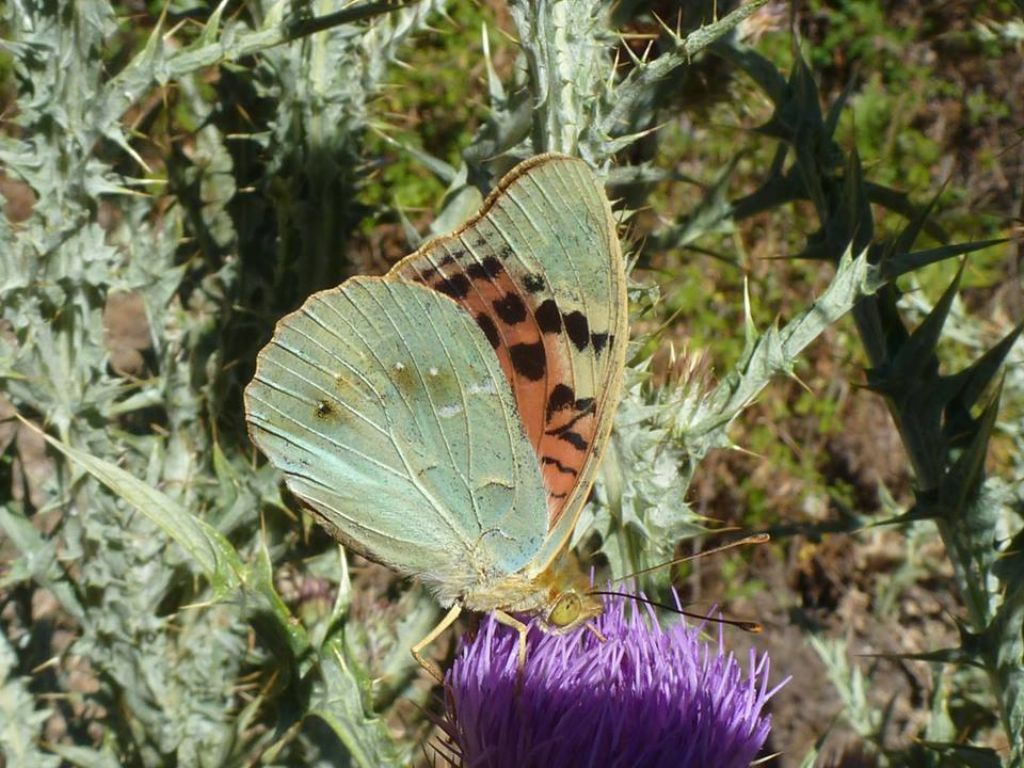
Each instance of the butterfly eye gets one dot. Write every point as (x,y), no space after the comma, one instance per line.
(566,610)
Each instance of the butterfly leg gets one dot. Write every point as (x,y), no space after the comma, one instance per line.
(511,621)
(447,621)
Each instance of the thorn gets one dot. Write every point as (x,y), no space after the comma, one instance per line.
(633,57)
(508,36)
(793,375)
(647,51)
(614,68)
(169,34)
(665,27)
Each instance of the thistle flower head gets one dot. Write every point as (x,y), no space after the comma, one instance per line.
(645,696)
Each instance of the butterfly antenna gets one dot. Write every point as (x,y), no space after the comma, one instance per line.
(753,627)
(757,538)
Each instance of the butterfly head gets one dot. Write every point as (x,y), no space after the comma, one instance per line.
(570,601)
(570,609)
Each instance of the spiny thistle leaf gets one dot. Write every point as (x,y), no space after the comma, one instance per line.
(835,111)
(83,757)
(962,391)
(915,358)
(770,352)
(847,215)
(211,551)
(762,71)
(946,445)
(626,100)
(20,715)
(39,561)
(797,118)
(902,263)
(1010,566)
(963,479)
(340,704)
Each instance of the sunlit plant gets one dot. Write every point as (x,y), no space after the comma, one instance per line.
(204,170)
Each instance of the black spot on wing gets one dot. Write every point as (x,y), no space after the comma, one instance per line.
(490,329)
(447,260)
(456,286)
(561,397)
(578,329)
(510,309)
(505,252)
(528,360)
(581,413)
(534,283)
(487,269)
(323,409)
(548,317)
(598,340)
(558,465)
(575,439)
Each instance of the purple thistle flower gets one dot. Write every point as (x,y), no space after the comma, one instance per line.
(648,696)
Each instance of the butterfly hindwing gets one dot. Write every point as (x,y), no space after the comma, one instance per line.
(541,273)
(388,412)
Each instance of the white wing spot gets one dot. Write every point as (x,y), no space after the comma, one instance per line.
(399,367)
(485,387)
(432,372)
(447,411)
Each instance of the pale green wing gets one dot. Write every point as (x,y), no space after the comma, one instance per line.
(387,410)
(541,271)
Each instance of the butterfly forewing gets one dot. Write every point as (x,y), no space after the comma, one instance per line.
(541,273)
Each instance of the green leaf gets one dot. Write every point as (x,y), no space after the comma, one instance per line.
(758,68)
(638,87)
(284,633)
(961,483)
(915,357)
(210,550)
(39,560)
(959,393)
(902,263)
(1010,566)
(775,351)
(846,214)
(301,24)
(339,704)
(836,110)
(21,717)
(899,202)
(84,757)
(963,755)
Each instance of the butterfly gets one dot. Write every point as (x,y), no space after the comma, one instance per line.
(448,418)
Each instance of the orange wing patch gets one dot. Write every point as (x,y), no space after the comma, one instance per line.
(531,336)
